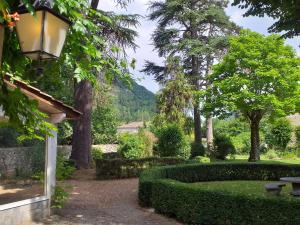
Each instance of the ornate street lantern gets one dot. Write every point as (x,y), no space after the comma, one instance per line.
(42,36)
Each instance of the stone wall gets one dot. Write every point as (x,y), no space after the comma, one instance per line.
(20,160)
(13,160)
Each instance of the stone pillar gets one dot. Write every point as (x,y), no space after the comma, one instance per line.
(51,153)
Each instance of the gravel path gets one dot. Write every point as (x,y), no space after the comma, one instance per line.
(112,202)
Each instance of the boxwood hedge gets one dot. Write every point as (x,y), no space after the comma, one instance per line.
(121,168)
(167,189)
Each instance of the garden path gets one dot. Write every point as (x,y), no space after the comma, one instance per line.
(112,202)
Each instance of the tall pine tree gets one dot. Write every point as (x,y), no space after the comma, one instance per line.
(197,31)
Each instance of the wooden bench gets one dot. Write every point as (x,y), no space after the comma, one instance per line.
(274,188)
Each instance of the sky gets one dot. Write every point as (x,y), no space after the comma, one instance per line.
(145,50)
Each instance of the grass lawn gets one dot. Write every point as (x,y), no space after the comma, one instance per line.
(245,188)
(244,158)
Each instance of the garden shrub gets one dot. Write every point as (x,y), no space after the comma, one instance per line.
(104,124)
(135,146)
(65,133)
(172,142)
(162,188)
(97,153)
(197,149)
(222,146)
(64,167)
(59,198)
(242,143)
(279,134)
(131,146)
(271,154)
(149,140)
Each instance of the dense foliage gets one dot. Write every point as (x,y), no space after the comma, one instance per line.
(279,134)
(172,142)
(64,168)
(286,14)
(197,149)
(135,146)
(104,125)
(223,146)
(238,131)
(174,100)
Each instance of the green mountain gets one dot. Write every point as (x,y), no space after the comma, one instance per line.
(135,103)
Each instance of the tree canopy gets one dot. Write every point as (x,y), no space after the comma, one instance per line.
(287,14)
(85,54)
(259,76)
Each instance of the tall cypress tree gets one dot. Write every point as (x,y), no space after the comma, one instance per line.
(197,31)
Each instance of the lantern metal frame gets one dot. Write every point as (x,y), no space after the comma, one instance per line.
(41,52)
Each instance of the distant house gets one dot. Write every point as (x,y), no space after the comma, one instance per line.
(131,127)
(294,119)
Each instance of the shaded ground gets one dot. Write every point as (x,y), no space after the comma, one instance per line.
(13,192)
(95,202)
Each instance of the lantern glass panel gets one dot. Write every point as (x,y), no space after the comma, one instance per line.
(29,30)
(55,33)
(42,36)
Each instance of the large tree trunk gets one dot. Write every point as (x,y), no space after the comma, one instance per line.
(82,137)
(255,141)
(94,4)
(197,124)
(209,133)
(82,141)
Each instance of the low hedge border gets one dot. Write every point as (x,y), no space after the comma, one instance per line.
(163,189)
(128,168)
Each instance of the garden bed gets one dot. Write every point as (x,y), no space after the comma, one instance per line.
(220,194)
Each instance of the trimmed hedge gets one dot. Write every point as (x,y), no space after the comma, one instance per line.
(127,168)
(163,189)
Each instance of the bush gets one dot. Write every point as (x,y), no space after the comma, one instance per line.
(64,168)
(149,139)
(271,154)
(104,125)
(172,142)
(65,133)
(131,146)
(242,143)
(97,153)
(135,146)
(59,198)
(222,146)
(197,149)
(279,134)
(128,168)
(161,188)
